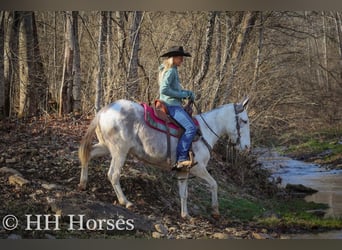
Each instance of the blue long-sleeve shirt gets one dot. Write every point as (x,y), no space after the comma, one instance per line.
(170,89)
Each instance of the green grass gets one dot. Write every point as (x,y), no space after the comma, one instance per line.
(241,208)
(275,213)
(323,147)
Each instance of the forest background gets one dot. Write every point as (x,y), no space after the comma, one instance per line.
(74,62)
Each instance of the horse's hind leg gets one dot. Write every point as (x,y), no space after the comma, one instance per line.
(97,151)
(117,162)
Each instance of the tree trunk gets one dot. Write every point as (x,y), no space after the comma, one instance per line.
(65,97)
(101,46)
(222,68)
(246,27)
(12,63)
(133,78)
(40,85)
(27,100)
(207,50)
(109,65)
(76,88)
(121,45)
(2,69)
(325,53)
(258,54)
(339,37)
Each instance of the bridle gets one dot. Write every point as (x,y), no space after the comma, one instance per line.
(238,139)
(237,110)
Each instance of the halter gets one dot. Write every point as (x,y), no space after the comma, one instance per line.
(237,111)
(237,126)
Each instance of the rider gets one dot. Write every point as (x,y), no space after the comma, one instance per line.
(172,93)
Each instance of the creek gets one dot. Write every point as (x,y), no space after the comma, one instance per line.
(328,183)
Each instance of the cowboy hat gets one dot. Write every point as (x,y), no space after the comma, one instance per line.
(175,51)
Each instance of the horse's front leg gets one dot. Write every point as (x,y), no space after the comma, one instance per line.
(183,193)
(202,172)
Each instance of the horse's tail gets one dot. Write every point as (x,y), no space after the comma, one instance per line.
(84,151)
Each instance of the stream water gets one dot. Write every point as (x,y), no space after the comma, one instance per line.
(327,182)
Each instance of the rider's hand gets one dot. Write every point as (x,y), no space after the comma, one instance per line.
(189,94)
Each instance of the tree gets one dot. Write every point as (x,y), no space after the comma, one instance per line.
(132,77)
(11,66)
(31,72)
(101,46)
(207,50)
(65,96)
(76,87)
(2,68)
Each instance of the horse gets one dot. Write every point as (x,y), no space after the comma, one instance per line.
(122,131)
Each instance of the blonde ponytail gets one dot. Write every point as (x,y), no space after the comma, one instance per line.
(168,63)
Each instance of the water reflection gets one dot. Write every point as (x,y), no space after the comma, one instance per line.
(327,182)
(330,192)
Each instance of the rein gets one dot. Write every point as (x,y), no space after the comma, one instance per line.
(205,122)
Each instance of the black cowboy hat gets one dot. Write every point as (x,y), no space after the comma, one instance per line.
(175,51)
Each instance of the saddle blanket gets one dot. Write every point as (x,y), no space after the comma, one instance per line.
(154,122)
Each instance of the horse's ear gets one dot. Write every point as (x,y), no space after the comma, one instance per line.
(245,102)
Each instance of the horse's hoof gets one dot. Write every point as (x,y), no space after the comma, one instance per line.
(216,216)
(129,205)
(81,187)
(187,217)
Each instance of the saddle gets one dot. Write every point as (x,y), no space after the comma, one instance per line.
(157,117)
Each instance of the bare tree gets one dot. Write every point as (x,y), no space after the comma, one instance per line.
(11,66)
(65,97)
(132,77)
(259,49)
(101,46)
(338,22)
(246,27)
(28,101)
(207,49)
(2,69)
(76,87)
(109,61)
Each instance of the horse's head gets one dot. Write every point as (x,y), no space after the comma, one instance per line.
(239,132)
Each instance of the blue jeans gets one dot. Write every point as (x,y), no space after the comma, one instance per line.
(184,143)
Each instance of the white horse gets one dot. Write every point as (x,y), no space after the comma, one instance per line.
(121,130)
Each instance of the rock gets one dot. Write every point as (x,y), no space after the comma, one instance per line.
(157,235)
(12,160)
(161,229)
(17,180)
(50,237)
(96,210)
(172,229)
(317,212)
(51,186)
(299,188)
(261,236)
(14,237)
(9,170)
(221,236)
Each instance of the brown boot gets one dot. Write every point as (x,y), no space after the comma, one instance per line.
(186,163)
